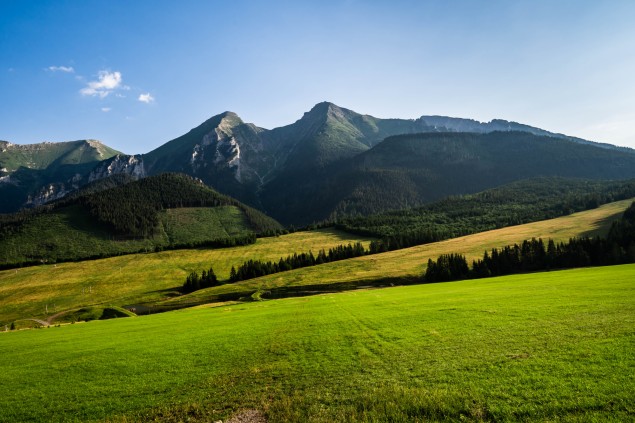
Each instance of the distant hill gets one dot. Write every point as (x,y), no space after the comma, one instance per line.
(37,173)
(334,162)
(117,216)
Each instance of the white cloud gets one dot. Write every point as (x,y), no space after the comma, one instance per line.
(106,109)
(66,69)
(146,98)
(107,82)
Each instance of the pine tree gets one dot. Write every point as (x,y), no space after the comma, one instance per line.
(211,276)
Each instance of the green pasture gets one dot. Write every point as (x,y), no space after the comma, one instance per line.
(131,279)
(556,346)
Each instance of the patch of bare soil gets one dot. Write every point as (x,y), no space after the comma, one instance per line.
(248,416)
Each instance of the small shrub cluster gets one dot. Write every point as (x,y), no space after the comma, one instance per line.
(194,282)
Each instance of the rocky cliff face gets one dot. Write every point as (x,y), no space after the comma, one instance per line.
(223,151)
(131,165)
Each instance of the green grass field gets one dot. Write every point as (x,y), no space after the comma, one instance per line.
(555,346)
(136,278)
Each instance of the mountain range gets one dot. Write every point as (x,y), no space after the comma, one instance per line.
(331,162)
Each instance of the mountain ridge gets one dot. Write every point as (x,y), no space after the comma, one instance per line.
(263,167)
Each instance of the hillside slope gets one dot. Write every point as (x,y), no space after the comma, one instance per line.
(139,278)
(407,265)
(165,211)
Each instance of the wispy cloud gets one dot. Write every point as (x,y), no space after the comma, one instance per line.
(106,83)
(106,109)
(66,69)
(146,98)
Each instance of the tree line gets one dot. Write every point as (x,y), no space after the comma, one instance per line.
(257,268)
(194,282)
(533,255)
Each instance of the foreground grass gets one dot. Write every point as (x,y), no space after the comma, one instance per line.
(552,346)
(131,279)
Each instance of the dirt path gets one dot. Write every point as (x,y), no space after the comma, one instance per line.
(56,315)
(42,322)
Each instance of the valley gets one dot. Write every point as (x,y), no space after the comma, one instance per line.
(379,343)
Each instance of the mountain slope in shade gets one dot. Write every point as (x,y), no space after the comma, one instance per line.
(409,170)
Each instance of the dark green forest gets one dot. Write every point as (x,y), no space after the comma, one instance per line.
(513,204)
(412,170)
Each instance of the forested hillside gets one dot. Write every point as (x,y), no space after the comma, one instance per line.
(513,204)
(164,211)
(411,170)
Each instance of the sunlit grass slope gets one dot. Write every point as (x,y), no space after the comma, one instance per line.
(409,264)
(137,278)
(552,346)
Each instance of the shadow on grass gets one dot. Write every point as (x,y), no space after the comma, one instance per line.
(603,227)
(274,293)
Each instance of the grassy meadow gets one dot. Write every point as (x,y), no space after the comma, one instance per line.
(555,346)
(152,278)
(198,224)
(135,278)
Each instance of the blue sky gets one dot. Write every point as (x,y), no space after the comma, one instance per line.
(135,74)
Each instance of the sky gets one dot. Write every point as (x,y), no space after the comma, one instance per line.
(136,74)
